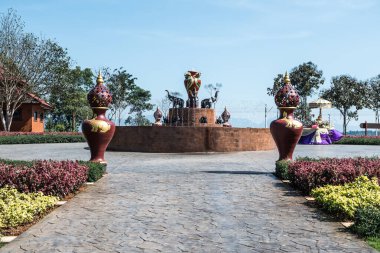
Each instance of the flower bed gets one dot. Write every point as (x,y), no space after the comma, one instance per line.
(27,186)
(95,170)
(342,187)
(19,208)
(346,199)
(358,201)
(49,177)
(306,175)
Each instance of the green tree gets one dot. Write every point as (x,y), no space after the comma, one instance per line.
(138,119)
(69,99)
(348,95)
(27,64)
(126,95)
(139,102)
(120,83)
(373,96)
(306,79)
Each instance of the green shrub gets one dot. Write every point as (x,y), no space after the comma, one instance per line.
(95,170)
(30,139)
(282,169)
(344,200)
(60,128)
(359,141)
(367,221)
(19,208)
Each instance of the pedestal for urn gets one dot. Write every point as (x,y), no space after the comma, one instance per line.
(286,131)
(98,131)
(192,117)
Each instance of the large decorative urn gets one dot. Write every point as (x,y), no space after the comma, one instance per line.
(192,84)
(99,130)
(286,130)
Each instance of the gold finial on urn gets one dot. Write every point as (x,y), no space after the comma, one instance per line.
(286,78)
(99,80)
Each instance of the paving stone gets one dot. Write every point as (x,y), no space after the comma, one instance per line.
(200,202)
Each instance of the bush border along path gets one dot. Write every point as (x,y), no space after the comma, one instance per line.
(37,183)
(325,174)
(359,140)
(32,139)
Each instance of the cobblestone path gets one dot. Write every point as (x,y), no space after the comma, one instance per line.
(219,202)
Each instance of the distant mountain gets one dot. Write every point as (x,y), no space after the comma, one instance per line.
(243,122)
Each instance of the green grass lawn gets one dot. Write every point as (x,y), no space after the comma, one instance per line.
(374,242)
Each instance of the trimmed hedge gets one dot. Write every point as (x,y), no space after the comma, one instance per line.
(95,170)
(58,178)
(4,133)
(367,221)
(307,175)
(282,166)
(19,208)
(282,169)
(359,140)
(31,139)
(341,186)
(344,200)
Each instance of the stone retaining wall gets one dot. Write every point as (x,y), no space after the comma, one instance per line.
(190,139)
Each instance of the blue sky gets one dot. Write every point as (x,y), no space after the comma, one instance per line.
(242,44)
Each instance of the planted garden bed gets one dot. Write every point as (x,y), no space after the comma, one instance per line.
(348,188)
(30,189)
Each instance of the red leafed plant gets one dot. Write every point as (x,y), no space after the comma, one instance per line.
(307,175)
(58,178)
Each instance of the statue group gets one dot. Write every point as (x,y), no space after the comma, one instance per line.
(192,84)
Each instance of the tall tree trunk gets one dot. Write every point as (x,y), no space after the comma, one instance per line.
(8,117)
(8,122)
(344,122)
(73,121)
(377,121)
(3,123)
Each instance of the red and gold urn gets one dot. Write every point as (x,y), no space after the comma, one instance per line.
(286,130)
(192,84)
(99,130)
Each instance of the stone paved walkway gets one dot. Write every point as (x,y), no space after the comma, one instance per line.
(218,202)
